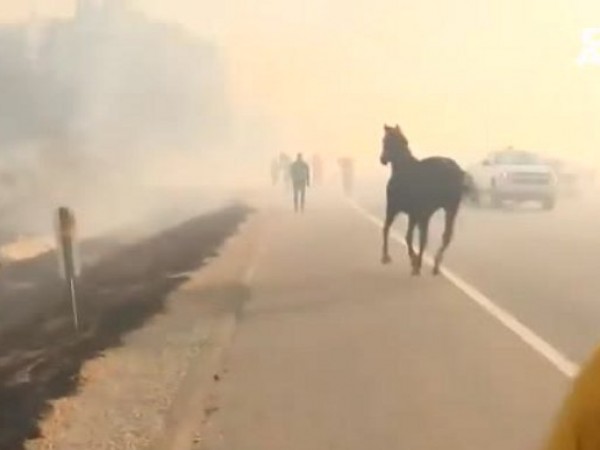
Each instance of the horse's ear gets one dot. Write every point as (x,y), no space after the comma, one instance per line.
(386,128)
(398,128)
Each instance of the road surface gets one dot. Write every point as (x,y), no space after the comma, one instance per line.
(540,266)
(335,351)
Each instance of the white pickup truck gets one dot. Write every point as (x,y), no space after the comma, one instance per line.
(513,175)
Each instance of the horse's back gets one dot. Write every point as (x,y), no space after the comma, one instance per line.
(438,171)
(439,165)
(434,183)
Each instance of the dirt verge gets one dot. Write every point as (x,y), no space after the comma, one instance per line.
(41,358)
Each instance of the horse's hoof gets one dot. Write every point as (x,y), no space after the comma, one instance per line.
(436,271)
(386,260)
(416,272)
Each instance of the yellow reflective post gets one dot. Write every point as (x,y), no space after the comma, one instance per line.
(66,229)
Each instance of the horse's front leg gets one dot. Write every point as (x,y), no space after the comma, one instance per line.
(389,220)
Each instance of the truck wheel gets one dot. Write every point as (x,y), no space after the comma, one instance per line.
(474,198)
(496,201)
(549,203)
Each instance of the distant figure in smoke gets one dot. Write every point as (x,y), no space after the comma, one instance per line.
(284,167)
(317,170)
(347,170)
(274,171)
(300,175)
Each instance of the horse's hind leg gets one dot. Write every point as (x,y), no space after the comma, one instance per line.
(451,213)
(389,220)
(423,235)
(410,232)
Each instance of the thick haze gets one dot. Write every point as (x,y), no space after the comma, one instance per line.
(459,78)
(324,75)
(120,117)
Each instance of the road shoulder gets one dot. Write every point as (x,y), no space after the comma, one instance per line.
(133,395)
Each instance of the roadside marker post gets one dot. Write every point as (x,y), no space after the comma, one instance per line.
(66,232)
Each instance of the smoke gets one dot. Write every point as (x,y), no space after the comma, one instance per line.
(116,115)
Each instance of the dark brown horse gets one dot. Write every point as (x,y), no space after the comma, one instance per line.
(419,188)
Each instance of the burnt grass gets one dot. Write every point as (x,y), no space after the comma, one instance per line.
(41,355)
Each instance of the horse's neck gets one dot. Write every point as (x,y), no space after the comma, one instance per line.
(403,164)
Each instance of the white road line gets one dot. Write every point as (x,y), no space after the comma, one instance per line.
(250,271)
(533,340)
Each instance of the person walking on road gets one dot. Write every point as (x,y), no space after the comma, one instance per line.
(284,167)
(274,171)
(317,170)
(300,175)
(347,171)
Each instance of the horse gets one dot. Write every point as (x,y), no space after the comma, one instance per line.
(419,188)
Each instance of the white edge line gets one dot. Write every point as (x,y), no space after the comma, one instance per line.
(250,271)
(533,340)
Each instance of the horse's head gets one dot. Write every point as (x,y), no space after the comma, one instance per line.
(395,145)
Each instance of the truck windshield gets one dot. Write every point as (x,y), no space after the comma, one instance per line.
(517,158)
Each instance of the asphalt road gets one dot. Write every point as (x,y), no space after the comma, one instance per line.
(335,351)
(540,266)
